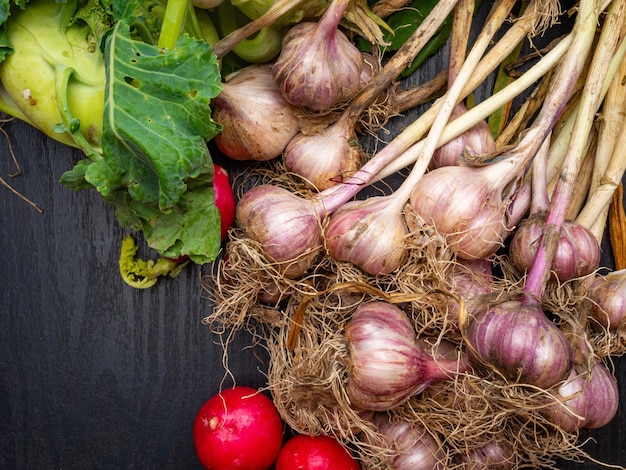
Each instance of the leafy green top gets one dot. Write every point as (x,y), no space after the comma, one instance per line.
(154,166)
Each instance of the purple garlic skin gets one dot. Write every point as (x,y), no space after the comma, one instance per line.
(353,234)
(257,122)
(608,299)
(285,225)
(478,140)
(587,402)
(386,363)
(521,342)
(316,69)
(577,253)
(465,206)
(416,448)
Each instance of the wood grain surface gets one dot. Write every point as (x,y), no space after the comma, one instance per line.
(95,374)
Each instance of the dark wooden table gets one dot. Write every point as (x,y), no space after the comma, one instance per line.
(95,374)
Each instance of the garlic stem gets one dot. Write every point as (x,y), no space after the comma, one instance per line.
(539,183)
(335,196)
(613,112)
(461,26)
(558,146)
(496,17)
(332,16)
(401,59)
(408,98)
(603,193)
(564,81)
(478,112)
(610,164)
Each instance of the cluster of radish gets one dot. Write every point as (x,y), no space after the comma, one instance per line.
(240,428)
(461,319)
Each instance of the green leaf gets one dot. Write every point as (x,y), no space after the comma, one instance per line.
(157,117)
(124,10)
(156,167)
(191,228)
(404,23)
(75,178)
(5,46)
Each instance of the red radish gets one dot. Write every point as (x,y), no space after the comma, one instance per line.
(315,453)
(238,428)
(224,199)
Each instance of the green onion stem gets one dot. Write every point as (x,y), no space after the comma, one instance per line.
(276,11)
(173,22)
(259,48)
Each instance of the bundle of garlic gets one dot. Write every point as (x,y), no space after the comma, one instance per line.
(453,317)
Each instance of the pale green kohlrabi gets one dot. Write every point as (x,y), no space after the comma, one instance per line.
(55,75)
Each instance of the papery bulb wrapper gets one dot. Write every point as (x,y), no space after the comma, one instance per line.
(257,121)
(316,69)
(386,364)
(367,234)
(608,296)
(285,225)
(416,448)
(521,342)
(462,205)
(323,159)
(468,279)
(577,252)
(370,68)
(478,140)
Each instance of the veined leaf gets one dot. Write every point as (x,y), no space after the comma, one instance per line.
(156,167)
(157,118)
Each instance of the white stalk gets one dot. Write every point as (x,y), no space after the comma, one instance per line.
(481,110)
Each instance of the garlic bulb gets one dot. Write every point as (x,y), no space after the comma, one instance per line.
(319,67)
(586,400)
(466,205)
(608,296)
(416,448)
(386,364)
(257,121)
(368,234)
(323,159)
(521,342)
(286,226)
(478,140)
(495,455)
(577,252)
